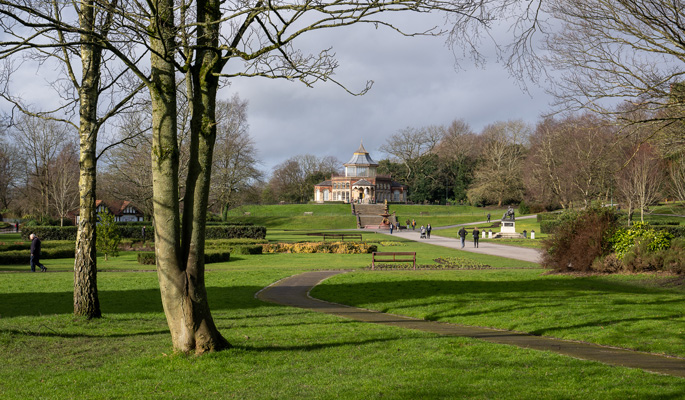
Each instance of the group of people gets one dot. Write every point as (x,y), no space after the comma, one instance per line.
(463,233)
(425,230)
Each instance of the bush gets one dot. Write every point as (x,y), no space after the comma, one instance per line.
(22,256)
(673,259)
(549,226)
(623,240)
(579,239)
(608,264)
(133,230)
(108,236)
(547,217)
(247,249)
(676,231)
(211,256)
(146,258)
(321,247)
(50,232)
(235,232)
(523,208)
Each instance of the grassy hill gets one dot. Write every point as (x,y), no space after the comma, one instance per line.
(339,216)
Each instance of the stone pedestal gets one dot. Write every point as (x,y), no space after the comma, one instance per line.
(508,230)
(508,227)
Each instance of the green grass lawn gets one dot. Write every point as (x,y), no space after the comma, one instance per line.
(339,216)
(285,353)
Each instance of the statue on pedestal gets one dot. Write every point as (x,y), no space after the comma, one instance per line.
(509,213)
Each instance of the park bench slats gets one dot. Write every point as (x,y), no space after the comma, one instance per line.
(385,256)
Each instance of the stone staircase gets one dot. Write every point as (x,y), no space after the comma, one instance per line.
(369,215)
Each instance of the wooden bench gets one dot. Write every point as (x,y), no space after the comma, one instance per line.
(393,257)
(342,236)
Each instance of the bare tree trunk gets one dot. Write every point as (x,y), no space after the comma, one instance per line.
(181,269)
(202,139)
(86,302)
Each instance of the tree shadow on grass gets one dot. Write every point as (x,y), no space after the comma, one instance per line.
(120,301)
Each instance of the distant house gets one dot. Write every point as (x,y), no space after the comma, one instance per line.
(360,184)
(123,211)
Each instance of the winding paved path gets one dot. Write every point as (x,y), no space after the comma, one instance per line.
(294,292)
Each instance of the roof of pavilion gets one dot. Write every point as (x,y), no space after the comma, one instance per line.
(361,158)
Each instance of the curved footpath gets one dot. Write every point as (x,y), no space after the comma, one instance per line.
(294,292)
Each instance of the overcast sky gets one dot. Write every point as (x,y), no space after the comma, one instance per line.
(415,84)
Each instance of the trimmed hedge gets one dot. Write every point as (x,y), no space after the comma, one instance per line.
(235,232)
(247,250)
(676,231)
(148,257)
(549,226)
(18,257)
(51,232)
(547,216)
(134,232)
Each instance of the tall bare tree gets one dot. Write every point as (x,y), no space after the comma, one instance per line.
(640,182)
(10,169)
(409,145)
(39,143)
(498,177)
(235,156)
(625,50)
(64,186)
(572,160)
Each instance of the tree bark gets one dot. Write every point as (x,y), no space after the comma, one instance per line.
(86,302)
(180,254)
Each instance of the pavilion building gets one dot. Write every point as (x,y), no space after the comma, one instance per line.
(360,184)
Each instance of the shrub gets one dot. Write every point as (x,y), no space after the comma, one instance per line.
(674,258)
(579,239)
(235,232)
(676,231)
(523,208)
(320,247)
(108,236)
(547,217)
(624,240)
(50,232)
(48,251)
(608,264)
(247,249)
(549,226)
(148,257)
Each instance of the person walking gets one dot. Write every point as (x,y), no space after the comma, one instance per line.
(391,228)
(413,224)
(35,254)
(462,235)
(488,217)
(476,235)
(428,231)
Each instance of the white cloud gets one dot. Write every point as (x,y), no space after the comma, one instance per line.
(416,84)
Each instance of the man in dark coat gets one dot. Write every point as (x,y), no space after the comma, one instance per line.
(476,234)
(35,254)
(462,235)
